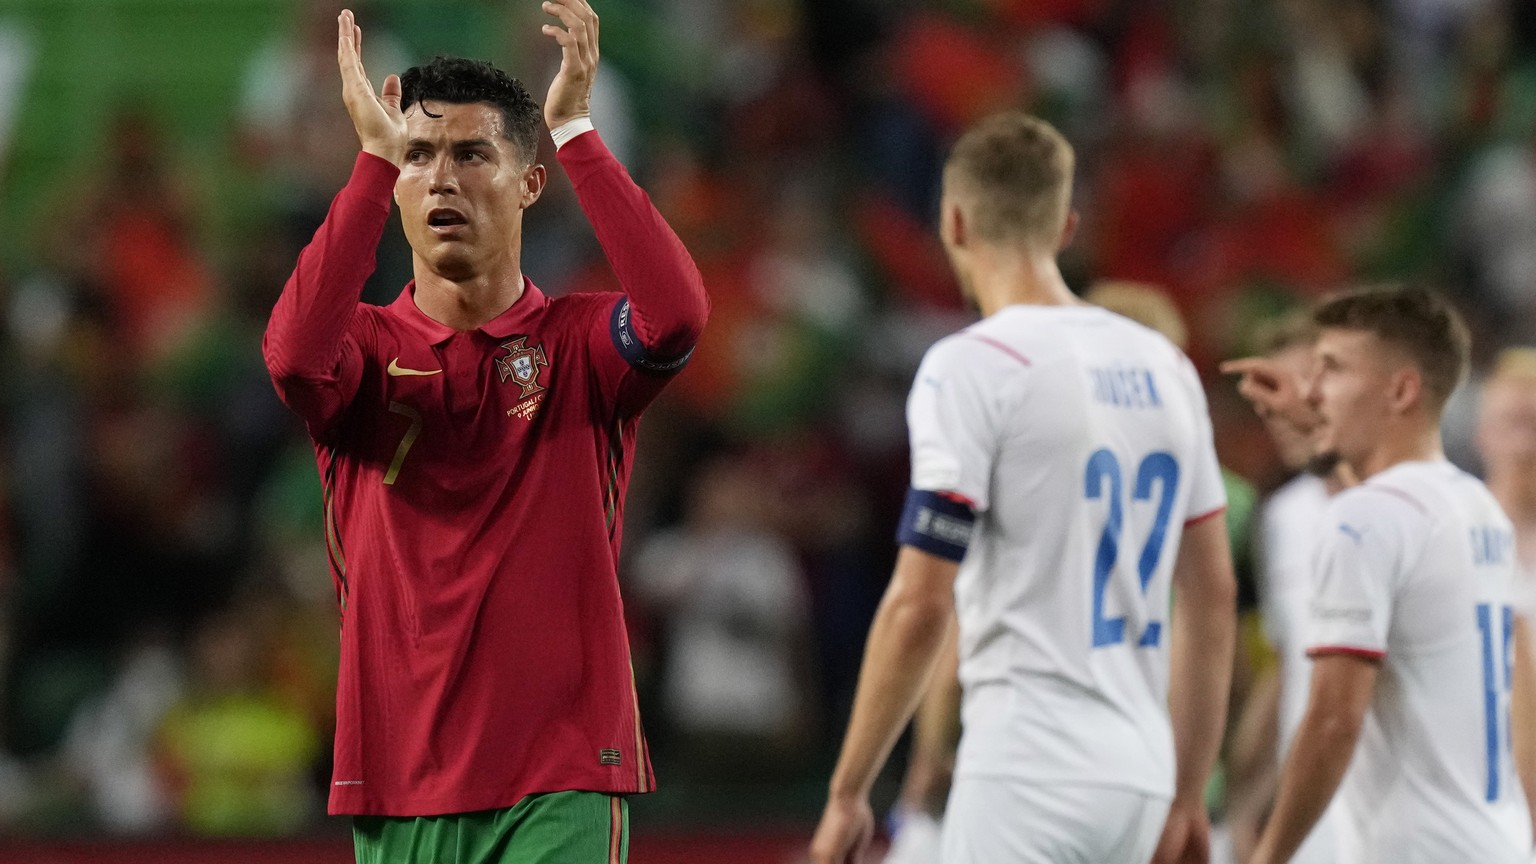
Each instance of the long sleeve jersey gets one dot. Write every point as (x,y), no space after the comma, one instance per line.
(474,488)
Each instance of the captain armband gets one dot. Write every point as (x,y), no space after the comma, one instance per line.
(938,523)
(621,325)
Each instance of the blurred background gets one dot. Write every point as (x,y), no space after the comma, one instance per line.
(167,623)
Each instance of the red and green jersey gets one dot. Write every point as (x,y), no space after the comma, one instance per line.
(474,486)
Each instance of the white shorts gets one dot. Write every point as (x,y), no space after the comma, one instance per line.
(990,820)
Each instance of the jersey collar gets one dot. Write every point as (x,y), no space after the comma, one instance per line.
(516,319)
(520,316)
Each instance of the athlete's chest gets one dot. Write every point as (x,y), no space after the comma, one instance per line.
(468,402)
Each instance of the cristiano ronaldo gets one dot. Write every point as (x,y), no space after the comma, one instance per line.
(474,440)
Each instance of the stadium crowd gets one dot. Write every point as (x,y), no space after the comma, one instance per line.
(167,624)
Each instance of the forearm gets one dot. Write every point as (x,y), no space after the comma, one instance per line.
(668,303)
(1523,712)
(905,641)
(1200,679)
(935,732)
(1320,754)
(311,317)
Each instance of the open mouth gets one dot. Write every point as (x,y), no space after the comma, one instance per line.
(445,218)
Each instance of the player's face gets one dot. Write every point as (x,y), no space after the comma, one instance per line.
(1506,429)
(1296,448)
(1352,385)
(463,189)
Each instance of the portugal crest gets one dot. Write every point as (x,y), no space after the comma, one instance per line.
(522,365)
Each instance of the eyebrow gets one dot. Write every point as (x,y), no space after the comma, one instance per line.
(468,142)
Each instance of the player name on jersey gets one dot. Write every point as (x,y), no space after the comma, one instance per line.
(1125,387)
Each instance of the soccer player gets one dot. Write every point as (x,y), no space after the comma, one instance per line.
(1063,477)
(1411,631)
(1506,441)
(474,440)
(1288,533)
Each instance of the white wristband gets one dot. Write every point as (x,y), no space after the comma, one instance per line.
(570,129)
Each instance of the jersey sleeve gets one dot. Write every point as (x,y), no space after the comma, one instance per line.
(312,344)
(1357,566)
(956,419)
(649,331)
(1207,491)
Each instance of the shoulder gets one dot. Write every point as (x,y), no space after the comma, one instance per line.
(1303,493)
(585,303)
(985,347)
(1385,507)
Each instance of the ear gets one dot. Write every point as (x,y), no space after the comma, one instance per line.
(533,185)
(1406,391)
(1068,230)
(952,226)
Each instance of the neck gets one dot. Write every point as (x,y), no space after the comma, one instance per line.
(1515,489)
(1002,277)
(466,303)
(1404,445)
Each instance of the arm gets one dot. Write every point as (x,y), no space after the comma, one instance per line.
(1522,701)
(667,302)
(305,341)
(1200,673)
(905,641)
(1342,686)
(935,734)
(1251,769)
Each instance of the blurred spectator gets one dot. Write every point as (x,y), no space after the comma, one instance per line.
(730,595)
(235,756)
(109,747)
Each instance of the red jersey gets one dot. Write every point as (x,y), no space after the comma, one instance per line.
(474,489)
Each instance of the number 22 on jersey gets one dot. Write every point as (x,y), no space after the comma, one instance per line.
(1159,473)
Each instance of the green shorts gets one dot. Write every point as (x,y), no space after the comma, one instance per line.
(554,828)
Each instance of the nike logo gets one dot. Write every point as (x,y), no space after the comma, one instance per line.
(396,370)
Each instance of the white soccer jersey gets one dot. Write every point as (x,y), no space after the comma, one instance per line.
(1416,566)
(1082,441)
(1290,528)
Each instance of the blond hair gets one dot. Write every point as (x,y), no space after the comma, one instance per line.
(1015,172)
(1143,303)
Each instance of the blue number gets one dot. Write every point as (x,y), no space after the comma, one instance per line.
(1103,465)
(1498,675)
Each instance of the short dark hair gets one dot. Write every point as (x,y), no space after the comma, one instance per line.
(1017,169)
(1417,321)
(459,81)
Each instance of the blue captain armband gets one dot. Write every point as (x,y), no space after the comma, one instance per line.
(634,352)
(938,523)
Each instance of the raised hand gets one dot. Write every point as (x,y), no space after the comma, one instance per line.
(377,118)
(570,94)
(1275,391)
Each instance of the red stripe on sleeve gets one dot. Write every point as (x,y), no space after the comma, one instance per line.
(1193,520)
(957,498)
(1366,653)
